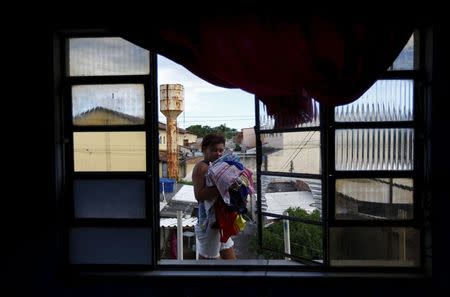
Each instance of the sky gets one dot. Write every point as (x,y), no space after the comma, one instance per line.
(204,103)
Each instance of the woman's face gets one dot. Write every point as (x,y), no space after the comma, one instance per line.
(213,152)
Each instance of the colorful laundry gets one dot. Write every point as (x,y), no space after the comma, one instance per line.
(235,183)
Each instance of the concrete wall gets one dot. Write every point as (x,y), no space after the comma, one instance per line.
(302,148)
(248,138)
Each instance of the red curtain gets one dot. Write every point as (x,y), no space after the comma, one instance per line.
(284,61)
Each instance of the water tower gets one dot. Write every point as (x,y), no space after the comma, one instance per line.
(171,105)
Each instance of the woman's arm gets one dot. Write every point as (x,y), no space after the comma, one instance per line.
(201,191)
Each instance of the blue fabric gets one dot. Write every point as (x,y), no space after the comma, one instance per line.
(204,217)
(237,164)
(228,156)
(238,199)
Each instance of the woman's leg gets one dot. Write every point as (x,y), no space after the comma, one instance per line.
(228,254)
(227,250)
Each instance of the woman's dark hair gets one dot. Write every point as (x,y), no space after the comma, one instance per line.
(212,139)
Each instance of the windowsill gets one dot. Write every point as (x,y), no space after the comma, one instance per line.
(238,263)
(256,274)
(256,269)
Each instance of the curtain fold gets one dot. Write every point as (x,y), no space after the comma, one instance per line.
(284,61)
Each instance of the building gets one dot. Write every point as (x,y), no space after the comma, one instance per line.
(105,150)
(185,138)
(248,138)
(186,145)
(97,151)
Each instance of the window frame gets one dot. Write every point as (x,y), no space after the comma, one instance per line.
(416,174)
(320,175)
(65,133)
(64,176)
(329,175)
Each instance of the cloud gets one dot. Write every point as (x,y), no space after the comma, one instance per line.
(197,91)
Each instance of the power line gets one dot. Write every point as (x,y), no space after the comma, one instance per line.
(304,142)
(300,144)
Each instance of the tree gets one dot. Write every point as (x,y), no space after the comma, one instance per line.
(306,239)
(201,131)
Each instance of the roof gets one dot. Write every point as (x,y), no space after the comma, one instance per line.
(185,194)
(172,222)
(110,111)
(181,199)
(278,202)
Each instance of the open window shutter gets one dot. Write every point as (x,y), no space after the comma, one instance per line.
(110,152)
(289,188)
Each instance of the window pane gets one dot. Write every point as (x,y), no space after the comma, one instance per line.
(296,152)
(267,121)
(118,198)
(405,60)
(106,56)
(110,246)
(374,149)
(374,246)
(386,100)
(280,193)
(108,104)
(109,151)
(295,238)
(376,198)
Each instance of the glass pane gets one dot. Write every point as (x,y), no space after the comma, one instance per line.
(106,56)
(281,193)
(108,105)
(267,121)
(374,149)
(291,237)
(110,246)
(109,151)
(295,152)
(375,198)
(118,198)
(374,246)
(405,60)
(386,100)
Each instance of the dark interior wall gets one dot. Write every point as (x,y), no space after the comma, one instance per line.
(440,159)
(29,210)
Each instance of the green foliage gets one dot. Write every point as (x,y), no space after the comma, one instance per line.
(306,239)
(185,182)
(201,131)
(237,148)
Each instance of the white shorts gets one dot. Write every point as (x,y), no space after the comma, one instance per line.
(209,245)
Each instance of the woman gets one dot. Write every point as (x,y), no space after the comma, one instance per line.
(208,237)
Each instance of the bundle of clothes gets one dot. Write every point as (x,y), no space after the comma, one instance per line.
(235,184)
